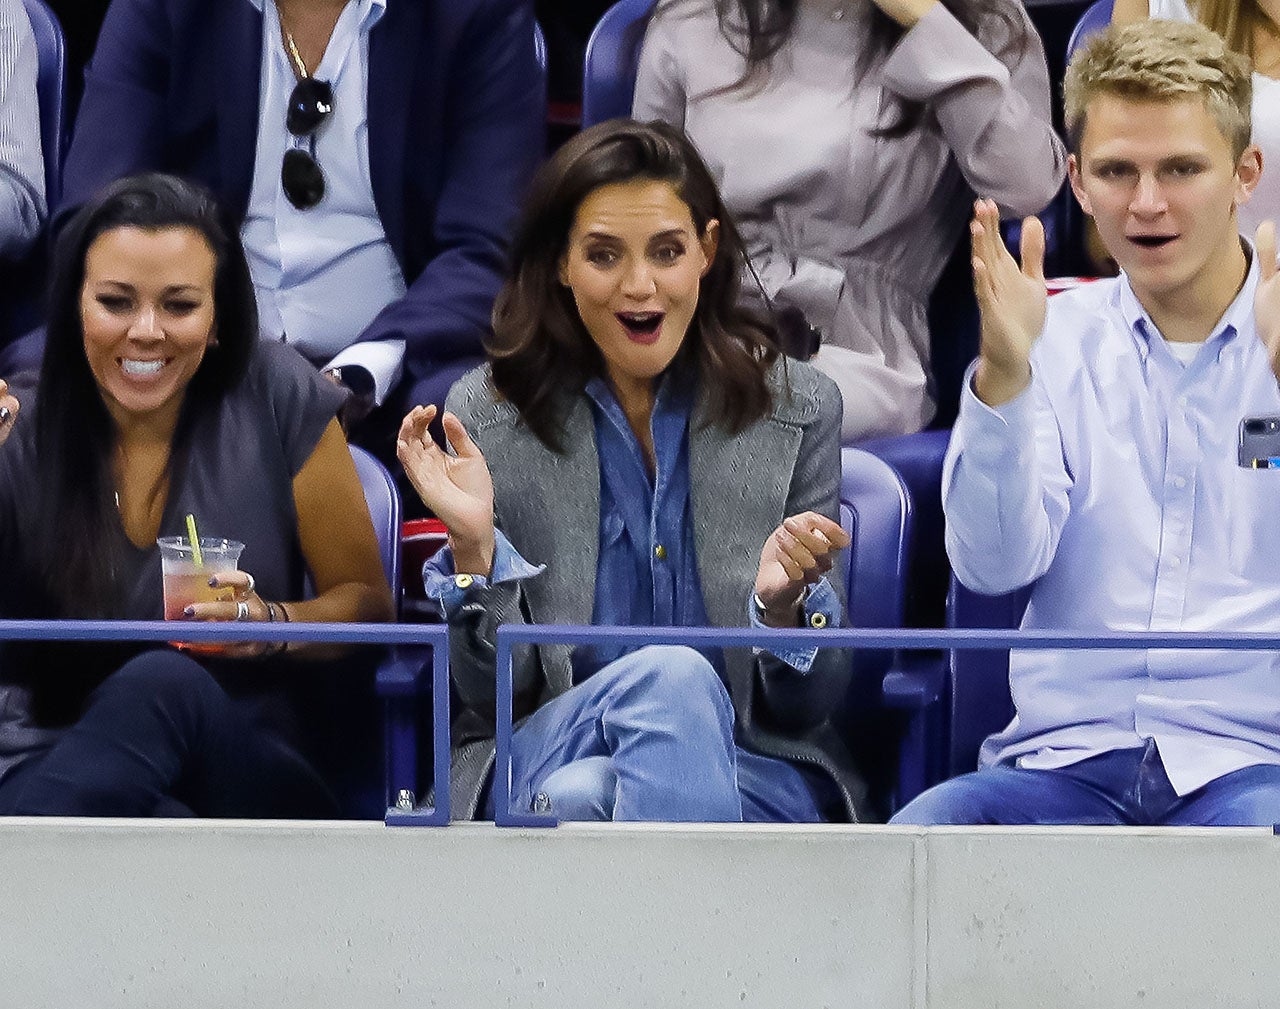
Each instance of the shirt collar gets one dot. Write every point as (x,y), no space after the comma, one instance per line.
(370,17)
(674,397)
(1237,318)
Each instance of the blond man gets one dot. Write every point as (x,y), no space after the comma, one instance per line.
(1106,454)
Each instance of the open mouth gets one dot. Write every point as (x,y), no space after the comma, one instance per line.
(140,369)
(643,327)
(1152,241)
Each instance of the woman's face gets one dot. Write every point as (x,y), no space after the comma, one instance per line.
(634,263)
(146,308)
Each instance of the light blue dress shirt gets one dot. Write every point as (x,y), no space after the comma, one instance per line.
(1113,484)
(22,196)
(322,274)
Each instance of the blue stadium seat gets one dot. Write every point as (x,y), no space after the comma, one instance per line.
(978,679)
(876,511)
(1097,17)
(343,721)
(383,499)
(613,52)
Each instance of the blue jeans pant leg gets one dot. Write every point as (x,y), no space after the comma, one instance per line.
(1094,791)
(1249,797)
(775,791)
(661,717)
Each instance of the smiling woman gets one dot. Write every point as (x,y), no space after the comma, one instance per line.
(155,401)
(638,453)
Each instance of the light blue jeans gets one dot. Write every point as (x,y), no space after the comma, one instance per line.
(1121,787)
(650,737)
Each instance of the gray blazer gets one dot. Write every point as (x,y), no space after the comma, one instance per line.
(548,505)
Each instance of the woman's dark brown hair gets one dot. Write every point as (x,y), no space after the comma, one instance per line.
(541,349)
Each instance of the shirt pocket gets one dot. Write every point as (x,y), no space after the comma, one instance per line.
(1255,523)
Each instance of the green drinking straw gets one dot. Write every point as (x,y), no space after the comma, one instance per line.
(196,555)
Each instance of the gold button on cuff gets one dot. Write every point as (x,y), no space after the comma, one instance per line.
(463,581)
(660,552)
(817,621)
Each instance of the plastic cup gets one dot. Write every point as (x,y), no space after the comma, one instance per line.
(185,582)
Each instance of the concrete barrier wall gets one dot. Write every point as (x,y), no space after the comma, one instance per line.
(142,913)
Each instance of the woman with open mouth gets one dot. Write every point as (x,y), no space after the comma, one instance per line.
(636,452)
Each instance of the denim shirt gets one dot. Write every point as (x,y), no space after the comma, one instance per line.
(647,566)
(647,569)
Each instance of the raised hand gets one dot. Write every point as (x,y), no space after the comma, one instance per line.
(1012,301)
(1266,303)
(8,411)
(457,487)
(796,554)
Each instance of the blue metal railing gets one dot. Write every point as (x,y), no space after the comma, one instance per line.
(518,634)
(396,679)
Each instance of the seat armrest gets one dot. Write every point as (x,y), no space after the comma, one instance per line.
(916,681)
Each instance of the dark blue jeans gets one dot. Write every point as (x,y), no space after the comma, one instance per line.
(159,737)
(1127,787)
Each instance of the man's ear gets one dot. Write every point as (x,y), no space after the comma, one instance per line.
(710,242)
(1248,171)
(1077,184)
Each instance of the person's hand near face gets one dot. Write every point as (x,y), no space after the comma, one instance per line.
(458,488)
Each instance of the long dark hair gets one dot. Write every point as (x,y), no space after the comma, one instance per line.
(757,29)
(74,433)
(540,347)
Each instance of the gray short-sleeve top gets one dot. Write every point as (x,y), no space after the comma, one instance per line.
(236,478)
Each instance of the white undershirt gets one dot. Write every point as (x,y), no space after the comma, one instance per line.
(322,274)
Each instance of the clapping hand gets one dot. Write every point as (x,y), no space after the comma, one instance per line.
(796,554)
(8,411)
(1266,303)
(456,487)
(1012,300)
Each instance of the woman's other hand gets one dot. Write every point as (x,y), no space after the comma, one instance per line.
(796,554)
(8,411)
(457,488)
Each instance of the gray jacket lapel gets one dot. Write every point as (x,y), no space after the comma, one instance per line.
(550,510)
(739,487)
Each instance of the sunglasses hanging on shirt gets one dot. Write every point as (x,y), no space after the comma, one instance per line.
(310,104)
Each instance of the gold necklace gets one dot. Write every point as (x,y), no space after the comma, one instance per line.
(299,67)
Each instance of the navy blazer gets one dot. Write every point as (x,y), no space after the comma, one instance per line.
(457,106)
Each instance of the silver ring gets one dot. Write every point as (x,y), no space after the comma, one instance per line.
(249,588)
(6,415)
(242,610)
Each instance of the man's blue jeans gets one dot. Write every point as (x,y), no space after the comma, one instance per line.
(650,737)
(1121,787)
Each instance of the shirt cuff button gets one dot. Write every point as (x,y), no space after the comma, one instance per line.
(817,621)
(463,581)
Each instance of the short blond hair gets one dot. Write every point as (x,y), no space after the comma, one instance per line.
(1162,61)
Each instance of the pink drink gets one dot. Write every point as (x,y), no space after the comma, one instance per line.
(186,583)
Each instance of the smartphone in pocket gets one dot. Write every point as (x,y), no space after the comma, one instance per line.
(1259,446)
